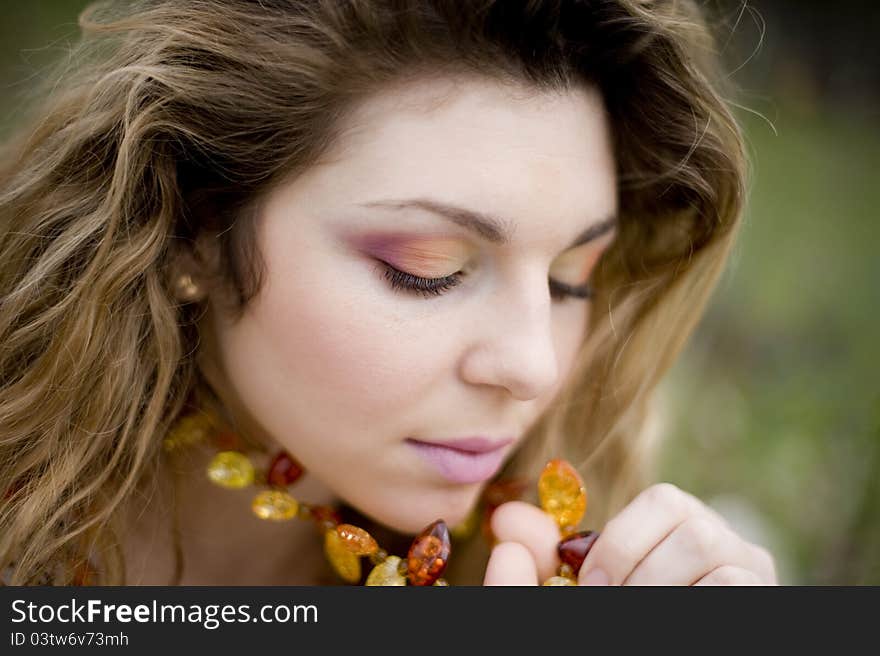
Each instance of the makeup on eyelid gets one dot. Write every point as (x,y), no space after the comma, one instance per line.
(436,256)
(430,256)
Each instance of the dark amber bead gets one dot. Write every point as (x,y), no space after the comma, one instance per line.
(226,440)
(505,490)
(573,549)
(326,516)
(284,470)
(496,494)
(429,554)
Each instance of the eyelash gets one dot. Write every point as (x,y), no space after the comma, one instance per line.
(428,287)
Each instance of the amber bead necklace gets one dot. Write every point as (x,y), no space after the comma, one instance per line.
(560,490)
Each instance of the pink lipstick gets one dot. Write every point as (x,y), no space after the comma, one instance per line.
(468,460)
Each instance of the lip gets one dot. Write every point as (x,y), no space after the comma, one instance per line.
(470,444)
(469,460)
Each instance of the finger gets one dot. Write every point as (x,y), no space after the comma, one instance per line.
(511,563)
(730,575)
(695,547)
(636,530)
(766,565)
(518,521)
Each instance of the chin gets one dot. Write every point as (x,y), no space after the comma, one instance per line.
(412,517)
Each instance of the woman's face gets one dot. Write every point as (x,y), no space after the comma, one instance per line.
(345,370)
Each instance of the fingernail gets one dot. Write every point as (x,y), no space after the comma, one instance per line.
(596,577)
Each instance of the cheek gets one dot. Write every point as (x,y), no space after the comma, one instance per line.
(322,341)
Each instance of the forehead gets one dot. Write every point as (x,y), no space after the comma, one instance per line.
(509,150)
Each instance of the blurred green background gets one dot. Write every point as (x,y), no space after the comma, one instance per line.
(772,415)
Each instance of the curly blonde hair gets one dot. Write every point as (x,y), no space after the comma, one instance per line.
(176,118)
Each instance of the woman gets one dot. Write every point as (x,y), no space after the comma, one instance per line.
(417,246)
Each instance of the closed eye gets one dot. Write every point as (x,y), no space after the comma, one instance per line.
(428,287)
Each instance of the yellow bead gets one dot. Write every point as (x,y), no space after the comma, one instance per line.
(231,469)
(188,430)
(560,580)
(344,562)
(562,493)
(275,505)
(386,573)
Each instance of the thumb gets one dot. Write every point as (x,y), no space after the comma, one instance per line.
(528,525)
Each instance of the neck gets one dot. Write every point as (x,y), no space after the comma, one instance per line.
(221,541)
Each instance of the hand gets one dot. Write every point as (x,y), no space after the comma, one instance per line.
(663,537)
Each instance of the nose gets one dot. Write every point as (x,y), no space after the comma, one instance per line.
(513,346)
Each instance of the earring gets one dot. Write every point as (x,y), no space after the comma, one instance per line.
(187,289)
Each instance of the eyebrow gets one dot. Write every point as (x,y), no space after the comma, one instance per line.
(487,226)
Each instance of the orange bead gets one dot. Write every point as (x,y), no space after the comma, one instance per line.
(284,470)
(429,554)
(357,540)
(562,493)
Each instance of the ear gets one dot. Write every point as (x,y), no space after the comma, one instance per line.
(190,269)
